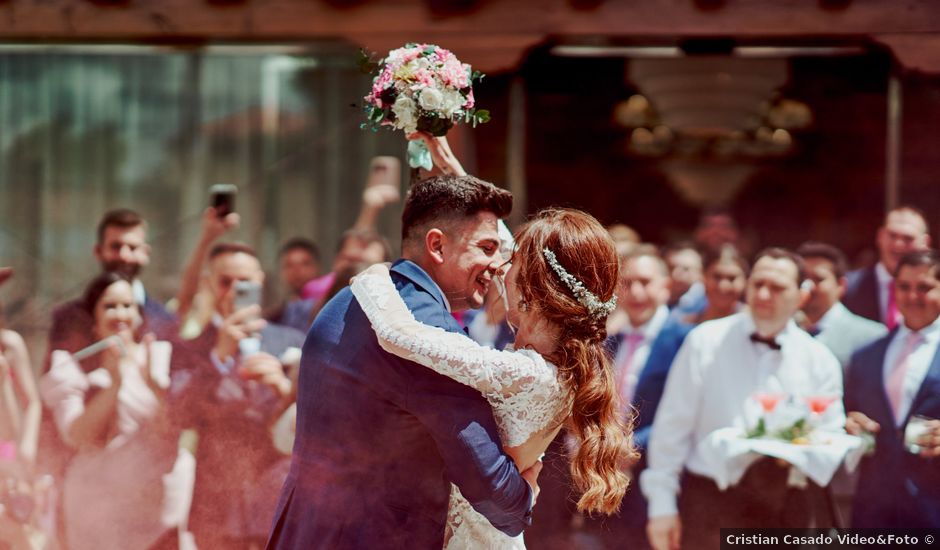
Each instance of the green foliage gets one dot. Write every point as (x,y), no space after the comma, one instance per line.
(367,63)
(760,430)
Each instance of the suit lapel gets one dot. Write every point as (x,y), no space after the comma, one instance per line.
(877,378)
(930,386)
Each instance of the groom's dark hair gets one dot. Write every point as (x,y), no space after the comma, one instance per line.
(443,199)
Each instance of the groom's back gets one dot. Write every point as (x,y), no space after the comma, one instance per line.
(366,472)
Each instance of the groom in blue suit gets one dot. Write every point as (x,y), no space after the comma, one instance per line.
(380,439)
(887,383)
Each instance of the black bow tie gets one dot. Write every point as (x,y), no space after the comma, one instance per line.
(769,342)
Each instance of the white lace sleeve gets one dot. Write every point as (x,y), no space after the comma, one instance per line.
(521,386)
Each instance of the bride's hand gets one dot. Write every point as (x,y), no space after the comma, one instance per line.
(445,163)
(532,476)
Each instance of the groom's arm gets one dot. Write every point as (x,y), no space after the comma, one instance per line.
(461,423)
(463,428)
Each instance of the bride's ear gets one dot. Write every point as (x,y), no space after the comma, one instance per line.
(434,245)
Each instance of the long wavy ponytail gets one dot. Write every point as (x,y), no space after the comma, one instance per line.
(603,440)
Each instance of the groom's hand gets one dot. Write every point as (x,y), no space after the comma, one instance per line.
(531,475)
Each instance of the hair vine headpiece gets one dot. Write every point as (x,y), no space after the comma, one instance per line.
(585,297)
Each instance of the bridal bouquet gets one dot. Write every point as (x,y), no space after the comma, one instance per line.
(421,87)
(783,417)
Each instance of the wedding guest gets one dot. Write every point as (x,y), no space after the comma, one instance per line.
(891,384)
(686,292)
(643,350)
(716,228)
(361,243)
(832,324)
(232,396)
(487,325)
(300,264)
(189,307)
(720,365)
(356,246)
(122,247)
(625,238)
(824,316)
(20,408)
(20,412)
(869,291)
(725,278)
(128,485)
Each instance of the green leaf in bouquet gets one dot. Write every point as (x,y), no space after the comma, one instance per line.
(480,116)
(476,76)
(366,62)
(428,50)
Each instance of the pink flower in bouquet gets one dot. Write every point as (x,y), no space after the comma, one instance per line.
(768,401)
(470,101)
(819,403)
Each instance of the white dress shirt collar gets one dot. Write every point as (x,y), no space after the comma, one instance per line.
(750,327)
(651,328)
(140,295)
(836,311)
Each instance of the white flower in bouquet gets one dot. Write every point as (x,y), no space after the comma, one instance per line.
(405,117)
(453,101)
(430,99)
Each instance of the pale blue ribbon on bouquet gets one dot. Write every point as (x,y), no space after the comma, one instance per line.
(419,156)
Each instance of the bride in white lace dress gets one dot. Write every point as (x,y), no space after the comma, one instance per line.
(560,290)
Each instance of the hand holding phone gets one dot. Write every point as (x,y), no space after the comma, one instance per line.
(247,294)
(384,184)
(222,198)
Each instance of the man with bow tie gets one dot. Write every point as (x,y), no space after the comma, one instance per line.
(887,384)
(721,365)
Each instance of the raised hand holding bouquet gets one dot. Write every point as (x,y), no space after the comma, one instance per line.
(421,88)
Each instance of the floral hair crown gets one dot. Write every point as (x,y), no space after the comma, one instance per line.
(585,297)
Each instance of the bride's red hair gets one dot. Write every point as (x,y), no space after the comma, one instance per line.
(583,247)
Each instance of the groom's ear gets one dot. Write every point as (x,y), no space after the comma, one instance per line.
(434,245)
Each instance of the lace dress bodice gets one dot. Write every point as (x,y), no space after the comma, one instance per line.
(524,390)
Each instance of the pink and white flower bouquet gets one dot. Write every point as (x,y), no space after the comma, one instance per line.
(421,87)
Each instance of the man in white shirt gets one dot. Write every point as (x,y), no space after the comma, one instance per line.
(869,291)
(720,366)
(888,384)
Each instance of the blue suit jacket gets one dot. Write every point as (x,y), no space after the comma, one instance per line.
(646,397)
(379,439)
(895,488)
(861,293)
